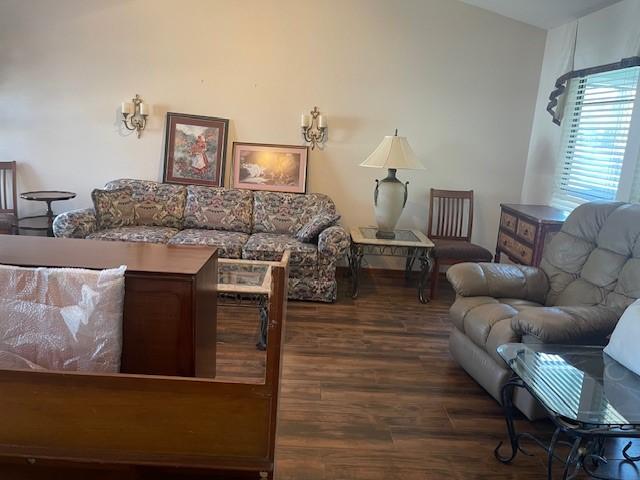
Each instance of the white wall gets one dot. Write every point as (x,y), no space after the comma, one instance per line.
(458,81)
(604,36)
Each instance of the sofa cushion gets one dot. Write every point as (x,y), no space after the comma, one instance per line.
(156,204)
(114,208)
(270,246)
(139,233)
(275,212)
(229,244)
(310,230)
(217,208)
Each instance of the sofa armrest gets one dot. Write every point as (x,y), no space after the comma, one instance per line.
(571,325)
(499,280)
(75,224)
(333,242)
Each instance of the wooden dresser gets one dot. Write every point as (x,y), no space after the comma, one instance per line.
(169,318)
(524,230)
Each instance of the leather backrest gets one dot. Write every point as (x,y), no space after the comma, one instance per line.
(595,258)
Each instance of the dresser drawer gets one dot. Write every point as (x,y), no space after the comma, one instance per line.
(526,231)
(508,221)
(523,253)
(518,251)
(505,242)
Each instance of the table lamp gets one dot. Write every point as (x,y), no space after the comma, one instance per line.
(390,194)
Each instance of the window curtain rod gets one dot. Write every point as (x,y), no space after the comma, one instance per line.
(561,82)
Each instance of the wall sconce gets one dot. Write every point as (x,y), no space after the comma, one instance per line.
(314,128)
(138,111)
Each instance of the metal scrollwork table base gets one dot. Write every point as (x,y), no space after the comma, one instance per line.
(412,245)
(579,389)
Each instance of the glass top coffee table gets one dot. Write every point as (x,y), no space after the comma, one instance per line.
(247,282)
(589,397)
(410,244)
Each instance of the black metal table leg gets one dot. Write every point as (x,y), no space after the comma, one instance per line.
(264,323)
(507,405)
(355,262)
(426,264)
(408,266)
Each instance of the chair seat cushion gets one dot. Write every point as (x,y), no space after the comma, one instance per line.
(135,234)
(460,250)
(229,244)
(270,246)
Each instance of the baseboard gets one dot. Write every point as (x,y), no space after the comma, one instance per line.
(379,272)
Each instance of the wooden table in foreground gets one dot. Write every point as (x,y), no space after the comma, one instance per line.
(169,321)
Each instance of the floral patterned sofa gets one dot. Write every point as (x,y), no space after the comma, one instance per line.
(240,223)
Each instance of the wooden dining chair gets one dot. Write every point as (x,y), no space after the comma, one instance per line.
(450,225)
(8,199)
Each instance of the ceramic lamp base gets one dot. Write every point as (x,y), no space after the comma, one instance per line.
(390,197)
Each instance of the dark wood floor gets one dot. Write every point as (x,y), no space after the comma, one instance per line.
(370,392)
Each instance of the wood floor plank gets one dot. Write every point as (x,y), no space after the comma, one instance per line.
(369,391)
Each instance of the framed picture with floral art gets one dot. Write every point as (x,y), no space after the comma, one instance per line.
(195,149)
(279,168)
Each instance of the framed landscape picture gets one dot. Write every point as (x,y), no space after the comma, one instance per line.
(195,149)
(279,168)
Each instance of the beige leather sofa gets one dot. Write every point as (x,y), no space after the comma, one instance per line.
(589,274)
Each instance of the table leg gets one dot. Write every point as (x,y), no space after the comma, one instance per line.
(355,262)
(263,310)
(408,267)
(50,218)
(507,406)
(426,264)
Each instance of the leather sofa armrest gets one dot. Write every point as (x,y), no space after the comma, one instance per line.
(499,280)
(333,242)
(571,325)
(75,224)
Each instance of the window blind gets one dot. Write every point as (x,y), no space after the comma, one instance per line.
(594,138)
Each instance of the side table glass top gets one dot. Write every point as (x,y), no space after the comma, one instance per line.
(244,276)
(581,384)
(406,237)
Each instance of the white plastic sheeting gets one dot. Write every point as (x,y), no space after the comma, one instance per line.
(61,318)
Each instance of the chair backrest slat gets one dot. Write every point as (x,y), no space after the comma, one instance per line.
(8,193)
(450,214)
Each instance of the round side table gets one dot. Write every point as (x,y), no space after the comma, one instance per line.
(42,222)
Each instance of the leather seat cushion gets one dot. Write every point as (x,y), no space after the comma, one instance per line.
(135,234)
(480,320)
(460,250)
(229,244)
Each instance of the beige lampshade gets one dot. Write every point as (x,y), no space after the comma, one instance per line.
(393,152)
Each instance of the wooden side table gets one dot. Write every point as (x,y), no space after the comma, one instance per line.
(42,222)
(410,244)
(524,231)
